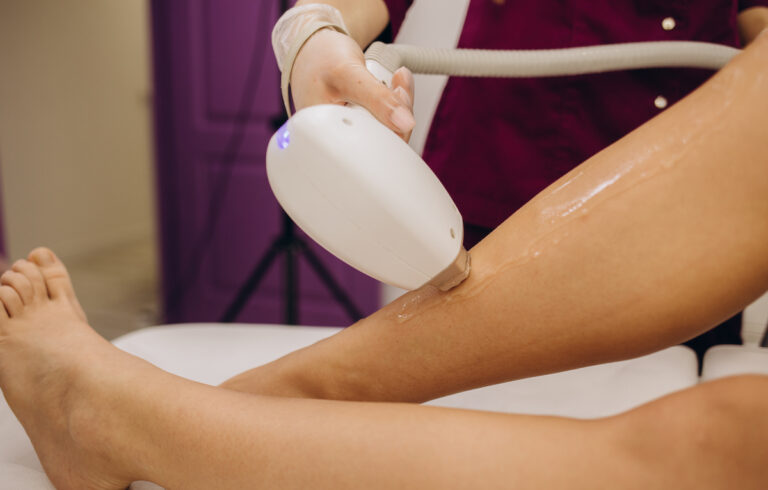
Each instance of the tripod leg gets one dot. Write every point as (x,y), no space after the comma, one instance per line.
(291,285)
(250,285)
(324,274)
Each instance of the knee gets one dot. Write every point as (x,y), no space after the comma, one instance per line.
(716,414)
(739,400)
(712,433)
(730,436)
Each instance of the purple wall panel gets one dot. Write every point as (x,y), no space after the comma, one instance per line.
(248,225)
(203,50)
(232,28)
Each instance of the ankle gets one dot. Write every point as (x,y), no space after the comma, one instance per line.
(99,421)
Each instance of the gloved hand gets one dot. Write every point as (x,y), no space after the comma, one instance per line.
(330,69)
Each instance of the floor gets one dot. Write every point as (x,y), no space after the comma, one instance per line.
(118,287)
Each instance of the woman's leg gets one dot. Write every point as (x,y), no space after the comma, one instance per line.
(100,418)
(710,436)
(652,241)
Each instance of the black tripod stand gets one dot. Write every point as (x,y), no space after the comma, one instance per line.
(291,245)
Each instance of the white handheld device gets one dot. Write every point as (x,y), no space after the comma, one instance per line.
(363,194)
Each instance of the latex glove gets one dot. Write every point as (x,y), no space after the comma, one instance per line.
(330,69)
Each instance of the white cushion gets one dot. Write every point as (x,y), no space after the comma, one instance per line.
(590,392)
(212,353)
(755,321)
(15,447)
(731,360)
(18,477)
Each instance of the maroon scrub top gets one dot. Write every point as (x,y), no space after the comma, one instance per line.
(495,143)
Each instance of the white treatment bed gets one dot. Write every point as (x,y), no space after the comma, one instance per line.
(210,353)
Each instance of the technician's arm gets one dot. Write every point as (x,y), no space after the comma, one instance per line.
(330,68)
(751,21)
(652,241)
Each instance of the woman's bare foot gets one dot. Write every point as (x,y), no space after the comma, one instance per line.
(51,366)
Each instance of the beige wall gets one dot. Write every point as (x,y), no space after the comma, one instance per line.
(75,139)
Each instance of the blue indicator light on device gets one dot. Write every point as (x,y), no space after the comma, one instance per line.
(283,137)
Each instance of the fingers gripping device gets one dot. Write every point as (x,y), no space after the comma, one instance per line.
(363,194)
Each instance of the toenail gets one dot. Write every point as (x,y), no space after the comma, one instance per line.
(45,257)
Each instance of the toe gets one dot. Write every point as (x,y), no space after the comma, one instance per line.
(32,272)
(56,278)
(54,273)
(20,283)
(11,300)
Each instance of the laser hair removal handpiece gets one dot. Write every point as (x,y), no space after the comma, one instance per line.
(363,194)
